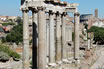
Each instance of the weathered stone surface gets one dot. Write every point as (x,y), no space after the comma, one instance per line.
(58,38)
(25,40)
(41,39)
(52,39)
(76,35)
(64,37)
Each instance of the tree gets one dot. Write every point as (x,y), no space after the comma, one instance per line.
(19,20)
(15,35)
(98,34)
(6,24)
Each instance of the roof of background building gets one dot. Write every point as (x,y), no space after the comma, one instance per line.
(86,16)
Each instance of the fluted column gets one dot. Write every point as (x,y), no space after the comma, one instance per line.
(41,38)
(47,40)
(35,39)
(25,40)
(88,44)
(58,37)
(64,55)
(91,43)
(51,39)
(76,35)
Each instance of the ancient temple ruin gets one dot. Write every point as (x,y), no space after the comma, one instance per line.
(49,38)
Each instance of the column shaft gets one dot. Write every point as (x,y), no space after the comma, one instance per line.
(88,44)
(35,39)
(58,37)
(63,37)
(25,40)
(47,39)
(51,39)
(76,35)
(41,39)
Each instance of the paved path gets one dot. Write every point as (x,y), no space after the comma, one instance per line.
(100,61)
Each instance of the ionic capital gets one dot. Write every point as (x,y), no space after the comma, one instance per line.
(34,10)
(25,10)
(41,8)
(58,13)
(51,12)
(76,14)
(64,14)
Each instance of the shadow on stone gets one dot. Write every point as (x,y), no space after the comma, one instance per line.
(34,57)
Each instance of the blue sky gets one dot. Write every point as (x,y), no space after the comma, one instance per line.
(88,6)
(11,7)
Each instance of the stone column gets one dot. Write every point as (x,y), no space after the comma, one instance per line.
(91,43)
(88,44)
(63,37)
(76,35)
(58,37)
(35,39)
(51,39)
(47,39)
(41,38)
(25,40)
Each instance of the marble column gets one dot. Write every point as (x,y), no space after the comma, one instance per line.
(35,39)
(63,37)
(51,39)
(41,38)
(76,35)
(91,43)
(47,39)
(26,51)
(88,44)
(58,37)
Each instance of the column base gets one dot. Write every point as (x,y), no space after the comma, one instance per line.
(59,62)
(46,66)
(91,47)
(67,61)
(64,60)
(52,64)
(76,61)
(70,60)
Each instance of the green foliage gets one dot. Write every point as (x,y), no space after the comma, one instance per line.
(9,51)
(4,56)
(19,20)
(15,35)
(98,34)
(30,62)
(5,24)
(30,41)
(93,29)
(15,55)
(3,40)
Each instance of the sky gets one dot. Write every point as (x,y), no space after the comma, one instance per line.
(11,7)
